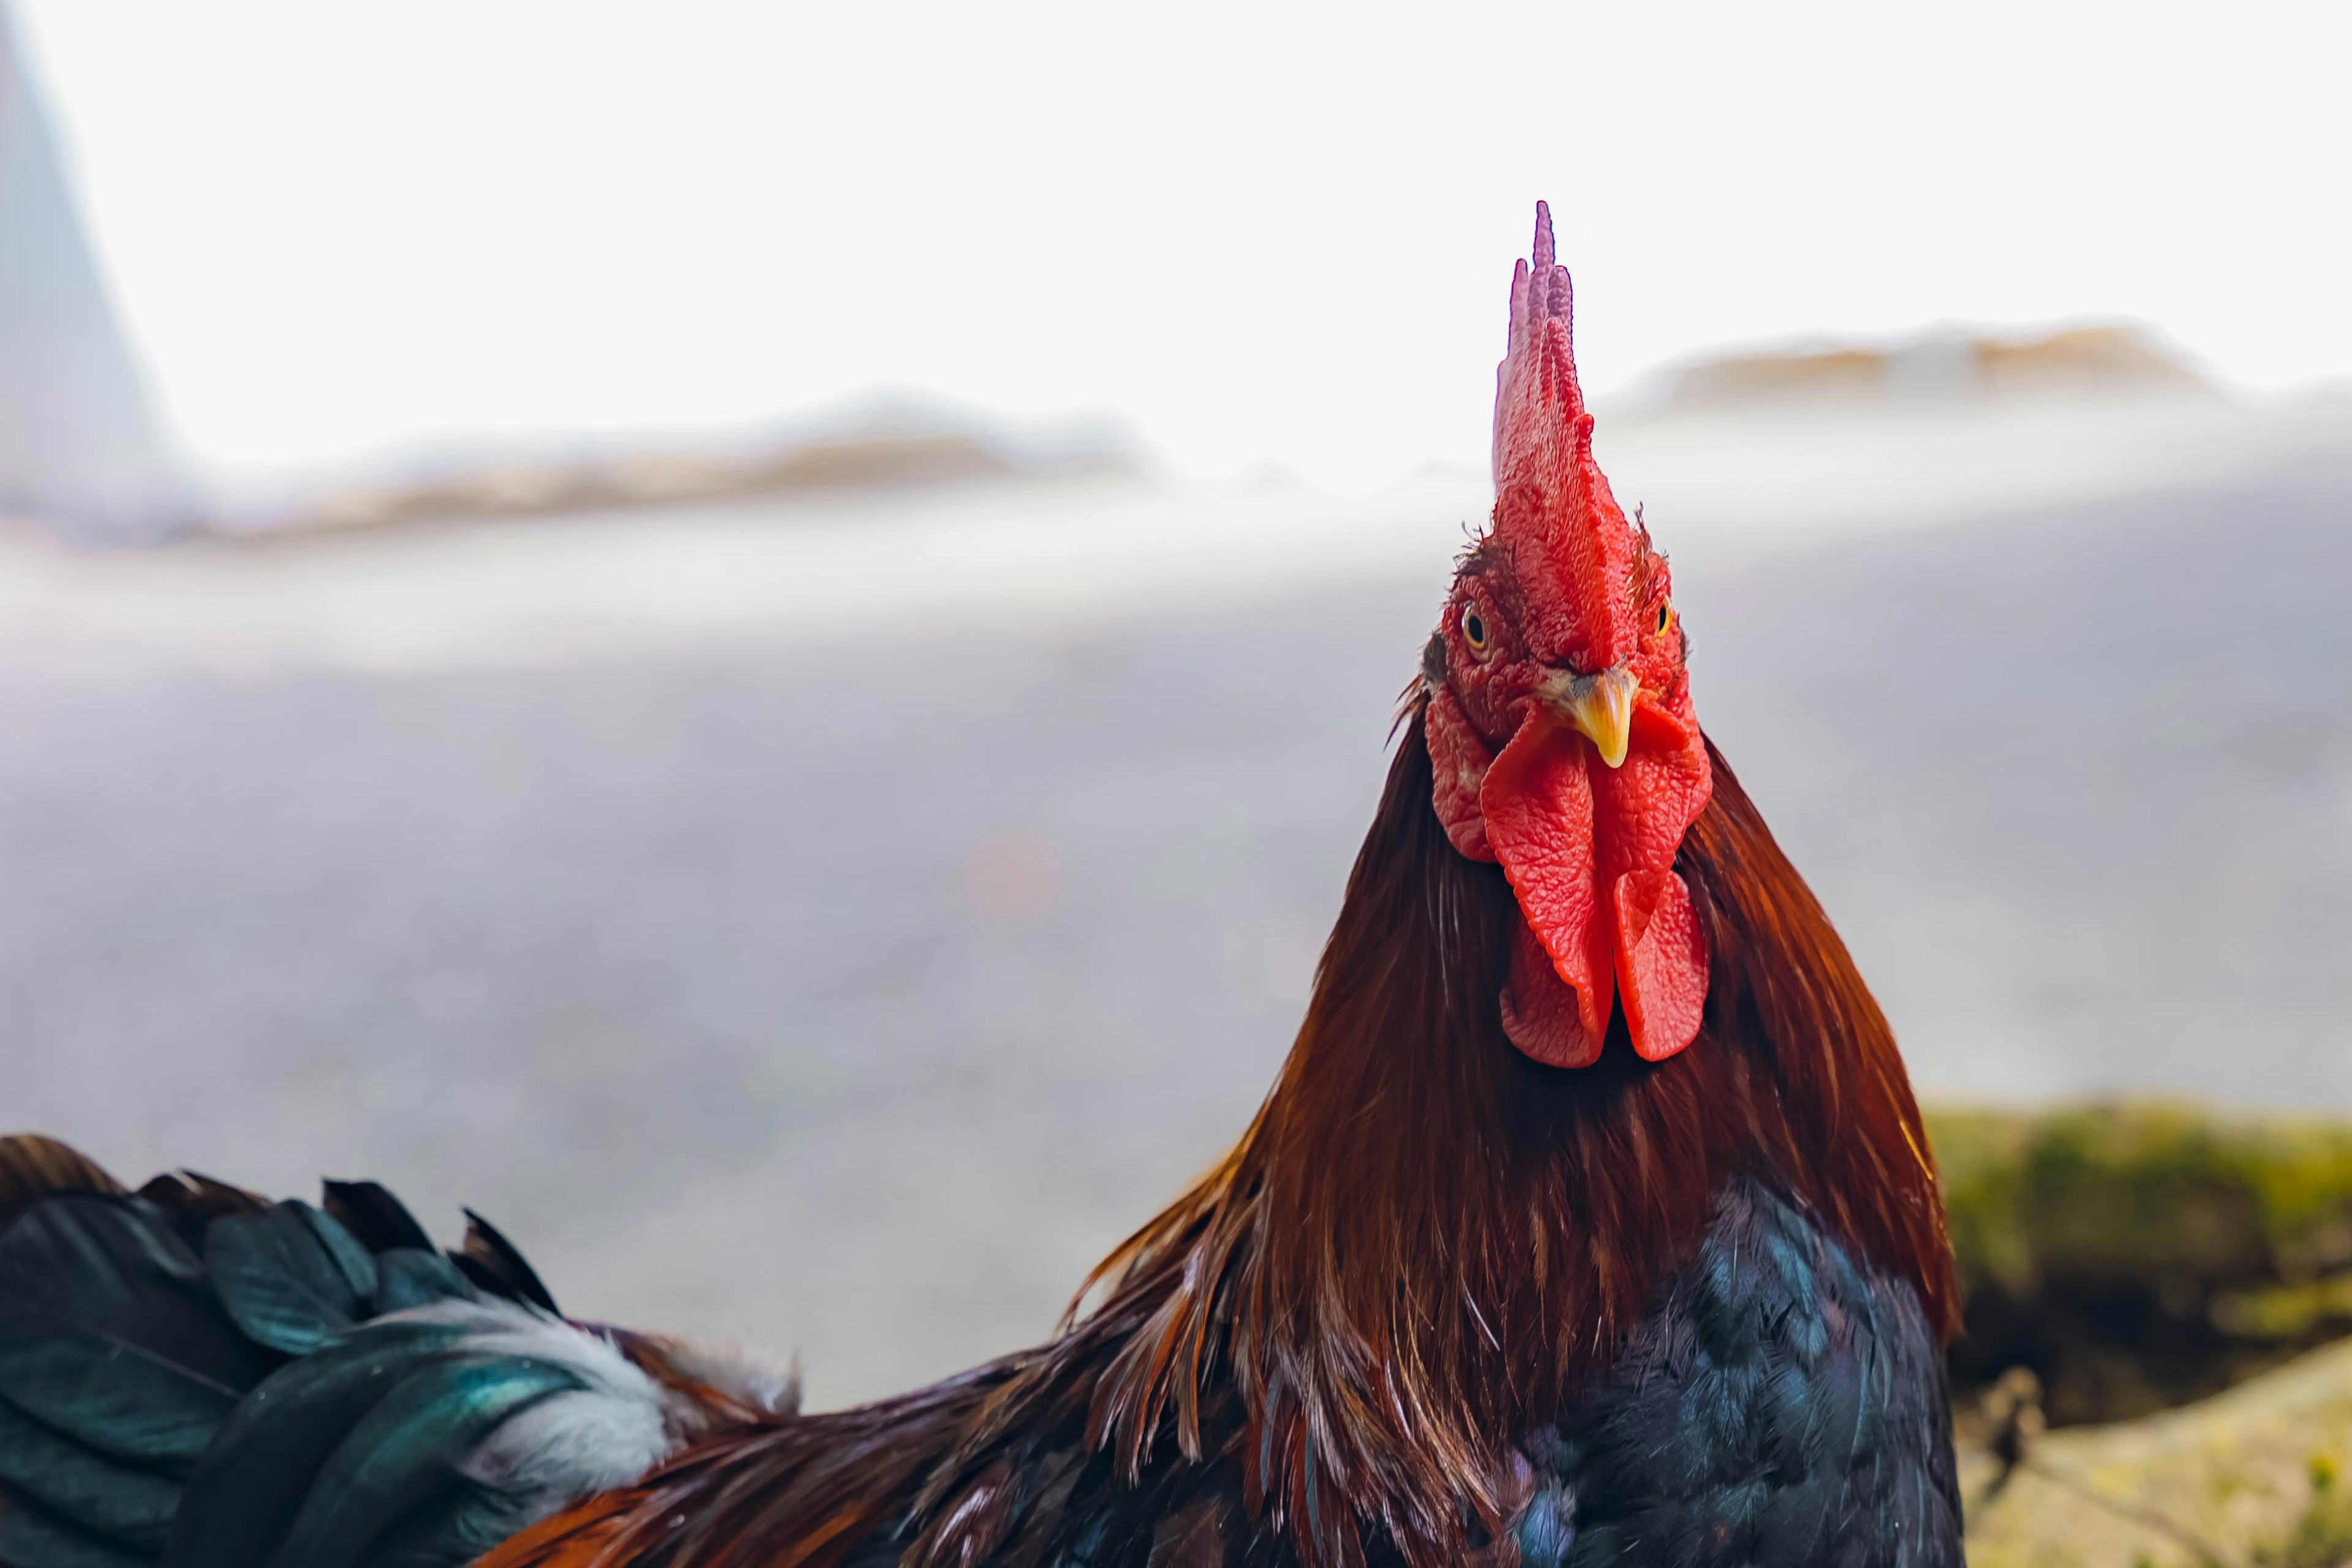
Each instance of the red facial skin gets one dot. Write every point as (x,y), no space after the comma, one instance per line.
(1563,583)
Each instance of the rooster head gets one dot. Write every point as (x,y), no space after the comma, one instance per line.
(1558,717)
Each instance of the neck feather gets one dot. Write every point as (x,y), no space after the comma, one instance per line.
(1426,1243)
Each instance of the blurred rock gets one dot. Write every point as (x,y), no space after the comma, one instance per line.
(889,446)
(2086,362)
(2250,1478)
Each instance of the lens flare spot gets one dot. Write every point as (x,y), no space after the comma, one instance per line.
(1012,877)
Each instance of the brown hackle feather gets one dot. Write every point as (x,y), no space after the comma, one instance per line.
(1424,1244)
(34,1166)
(197,1194)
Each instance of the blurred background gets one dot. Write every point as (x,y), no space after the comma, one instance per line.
(756,637)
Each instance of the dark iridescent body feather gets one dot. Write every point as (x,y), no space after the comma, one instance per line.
(1784,1404)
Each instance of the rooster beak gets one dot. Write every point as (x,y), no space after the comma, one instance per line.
(1597,706)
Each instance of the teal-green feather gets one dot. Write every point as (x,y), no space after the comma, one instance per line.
(244,1497)
(400,1464)
(292,1278)
(33,1540)
(119,1503)
(409,1277)
(216,1383)
(111,1335)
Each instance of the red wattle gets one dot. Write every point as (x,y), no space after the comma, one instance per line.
(1588,850)
(1662,961)
(1643,809)
(1538,809)
(1543,1013)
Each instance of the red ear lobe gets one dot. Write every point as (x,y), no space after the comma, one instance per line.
(1458,761)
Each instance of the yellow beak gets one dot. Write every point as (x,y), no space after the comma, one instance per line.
(1597,706)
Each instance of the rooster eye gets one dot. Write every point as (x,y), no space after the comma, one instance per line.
(1474,630)
(1665,619)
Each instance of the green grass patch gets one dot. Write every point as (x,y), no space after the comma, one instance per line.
(2139,1256)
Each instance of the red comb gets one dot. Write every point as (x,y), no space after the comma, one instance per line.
(1536,400)
(1552,503)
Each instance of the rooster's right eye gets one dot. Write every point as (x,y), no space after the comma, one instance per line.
(1474,630)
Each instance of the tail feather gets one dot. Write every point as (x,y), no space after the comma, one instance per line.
(491,1261)
(89,1491)
(380,1221)
(33,1538)
(196,1200)
(407,1277)
(255,1478)
(395,1470)
(112,1335)
(193,1377)
(395,1437)
(292,1278)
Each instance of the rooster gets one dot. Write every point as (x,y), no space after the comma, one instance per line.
(1590,1221)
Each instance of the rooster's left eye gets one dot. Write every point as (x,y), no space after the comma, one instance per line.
(1665,619)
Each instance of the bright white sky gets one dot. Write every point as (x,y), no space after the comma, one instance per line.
(1258,231)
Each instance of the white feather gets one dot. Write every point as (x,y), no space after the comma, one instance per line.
(606,1433)
(752,1376)
(613,1429)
